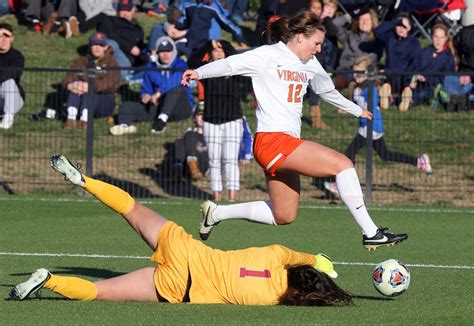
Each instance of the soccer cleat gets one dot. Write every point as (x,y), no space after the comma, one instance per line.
(383,238)
(207,208)
(424,164)
(32,285)
(324,264)
(70,172)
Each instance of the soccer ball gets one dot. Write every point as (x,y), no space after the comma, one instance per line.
(391,278)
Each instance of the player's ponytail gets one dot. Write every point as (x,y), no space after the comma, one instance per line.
(285,28)
(310,287)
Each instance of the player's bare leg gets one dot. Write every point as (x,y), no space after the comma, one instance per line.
(316,160)
(284,191)
(134,286)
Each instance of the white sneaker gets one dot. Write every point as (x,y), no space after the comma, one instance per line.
(71,173)
(119,130)
(7,121)
(32,285)
(208,222)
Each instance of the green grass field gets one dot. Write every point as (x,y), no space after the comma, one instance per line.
(78,236)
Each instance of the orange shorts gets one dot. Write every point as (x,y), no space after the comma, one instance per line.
(271,149)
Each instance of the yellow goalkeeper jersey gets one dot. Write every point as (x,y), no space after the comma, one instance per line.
(253,276)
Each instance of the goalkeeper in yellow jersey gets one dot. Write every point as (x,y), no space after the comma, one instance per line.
(188,270)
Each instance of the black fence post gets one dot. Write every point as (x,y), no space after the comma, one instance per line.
(368,160)
(90,117)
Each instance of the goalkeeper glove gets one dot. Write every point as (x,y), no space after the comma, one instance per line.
(324,264)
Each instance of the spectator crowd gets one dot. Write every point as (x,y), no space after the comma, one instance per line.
(380,32)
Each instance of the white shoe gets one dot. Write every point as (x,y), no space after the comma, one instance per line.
(32,285)
(71,173)
(208,222)
(122,129)
(7,121)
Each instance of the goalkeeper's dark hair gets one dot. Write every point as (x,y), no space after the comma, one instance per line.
(285,28)
(310,287)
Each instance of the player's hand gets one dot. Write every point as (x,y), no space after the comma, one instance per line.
(324,264)
(187,76)
(366,114)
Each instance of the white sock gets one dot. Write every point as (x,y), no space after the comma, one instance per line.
(71,113)
(349,189)
(255,211)
(84,115)
(163,117)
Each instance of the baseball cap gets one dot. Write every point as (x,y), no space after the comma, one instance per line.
(98,38)
(164,46)
(125,5)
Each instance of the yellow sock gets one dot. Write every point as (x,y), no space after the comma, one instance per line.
(112,196)
(74,288)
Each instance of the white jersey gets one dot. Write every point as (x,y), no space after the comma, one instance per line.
(280,80)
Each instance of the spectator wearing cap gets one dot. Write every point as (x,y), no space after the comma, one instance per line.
(163,98)
(125,35)
(12,63)
(100,58)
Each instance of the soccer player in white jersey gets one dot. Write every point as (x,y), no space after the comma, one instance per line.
(280,75)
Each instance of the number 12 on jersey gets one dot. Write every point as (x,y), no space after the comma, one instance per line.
(294,93)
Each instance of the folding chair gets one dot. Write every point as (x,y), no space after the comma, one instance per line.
(445,11)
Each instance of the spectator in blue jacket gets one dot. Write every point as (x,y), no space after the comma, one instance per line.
(163,98)
(361,97)
(431,59)
(401,49)
(198,21)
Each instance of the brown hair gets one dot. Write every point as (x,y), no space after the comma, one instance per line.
(285,28)
(310,287)
(373,18)
(449,42)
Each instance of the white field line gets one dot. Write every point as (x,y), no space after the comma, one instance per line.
(184,202)
(39,254)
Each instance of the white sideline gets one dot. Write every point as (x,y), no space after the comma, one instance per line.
(184,202)
(32,254)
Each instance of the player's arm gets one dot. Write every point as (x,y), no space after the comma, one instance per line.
(320,261)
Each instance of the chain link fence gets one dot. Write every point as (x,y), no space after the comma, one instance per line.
(440,125)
